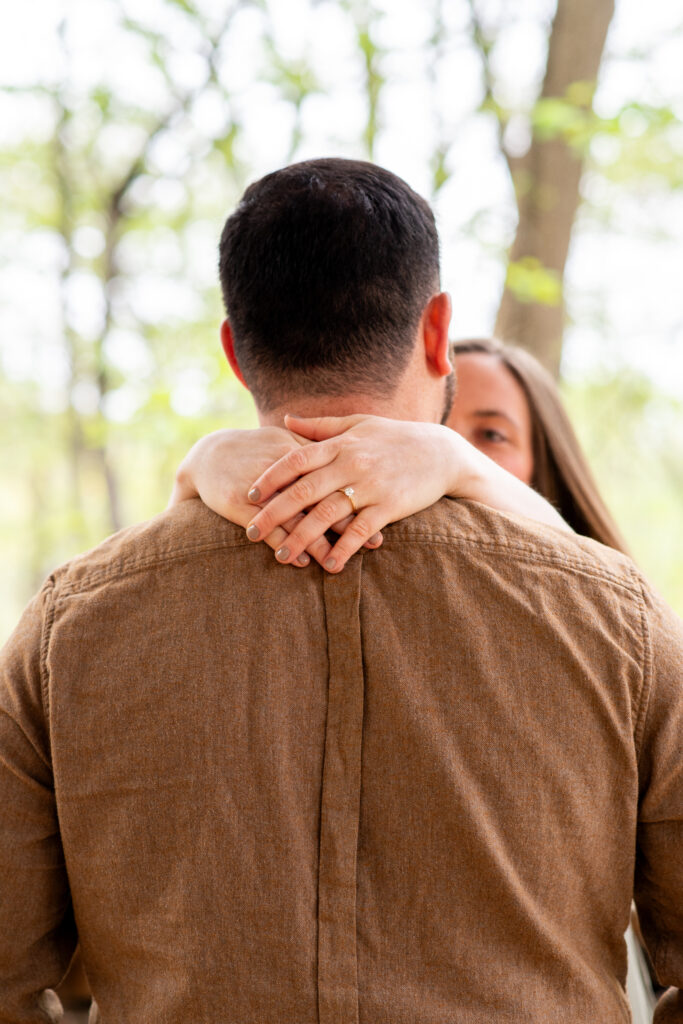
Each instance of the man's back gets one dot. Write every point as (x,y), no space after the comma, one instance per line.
(407,793)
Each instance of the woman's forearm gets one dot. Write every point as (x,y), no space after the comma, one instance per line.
(478,478)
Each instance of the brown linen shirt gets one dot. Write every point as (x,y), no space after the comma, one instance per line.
(414,793)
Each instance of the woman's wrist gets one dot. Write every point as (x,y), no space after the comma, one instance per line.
(464,474)
(183,485)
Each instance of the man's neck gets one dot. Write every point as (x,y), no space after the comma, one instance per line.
(396,407)
(307,408)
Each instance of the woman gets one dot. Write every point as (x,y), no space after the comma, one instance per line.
(555,466)
(506,408)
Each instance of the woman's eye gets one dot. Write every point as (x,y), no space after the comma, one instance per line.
(490,434)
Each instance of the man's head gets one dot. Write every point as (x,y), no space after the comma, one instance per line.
(330,271)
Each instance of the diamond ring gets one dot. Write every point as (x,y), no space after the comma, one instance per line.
(349,492)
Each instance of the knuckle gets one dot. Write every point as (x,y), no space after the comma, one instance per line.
(297,460)
(302,491)
(326,511)
(359,528)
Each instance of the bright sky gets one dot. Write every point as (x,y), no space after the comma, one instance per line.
(623,278)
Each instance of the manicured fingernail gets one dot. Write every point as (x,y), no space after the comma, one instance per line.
(303,559)
(253,532)
(375,539)
(254,494)
(330,563)
(282,554)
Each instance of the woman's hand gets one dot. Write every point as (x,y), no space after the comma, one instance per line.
(395,467)
(219,469)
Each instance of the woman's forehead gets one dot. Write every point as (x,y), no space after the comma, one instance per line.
(484,383)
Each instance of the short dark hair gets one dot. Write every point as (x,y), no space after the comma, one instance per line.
(326,267)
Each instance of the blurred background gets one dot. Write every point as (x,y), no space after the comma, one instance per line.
(548,136)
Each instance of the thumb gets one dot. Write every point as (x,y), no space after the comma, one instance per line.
(318,428)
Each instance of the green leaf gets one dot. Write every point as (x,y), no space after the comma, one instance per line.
(531,282)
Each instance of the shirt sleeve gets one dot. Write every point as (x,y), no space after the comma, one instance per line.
(659,855)
(37,933)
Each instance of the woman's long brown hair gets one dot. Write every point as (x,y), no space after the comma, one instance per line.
(561,472)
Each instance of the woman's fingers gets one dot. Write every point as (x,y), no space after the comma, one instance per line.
(371,542)
(318,549)
(290,551)
(363,529)
(319,428)
(319,489)
(354,537)
(324,513)
(295,464)
(278,539)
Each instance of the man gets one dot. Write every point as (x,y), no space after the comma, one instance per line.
(415,792)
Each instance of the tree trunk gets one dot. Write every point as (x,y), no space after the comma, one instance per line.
(547,180)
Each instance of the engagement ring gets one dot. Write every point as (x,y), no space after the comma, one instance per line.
(349,492)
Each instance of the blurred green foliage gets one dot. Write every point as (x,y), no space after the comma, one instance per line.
(532,282)
(632,436)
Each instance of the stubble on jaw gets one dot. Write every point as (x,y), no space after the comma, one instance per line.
(448,397)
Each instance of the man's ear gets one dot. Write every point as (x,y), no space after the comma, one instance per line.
(436,319)
(228,343)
